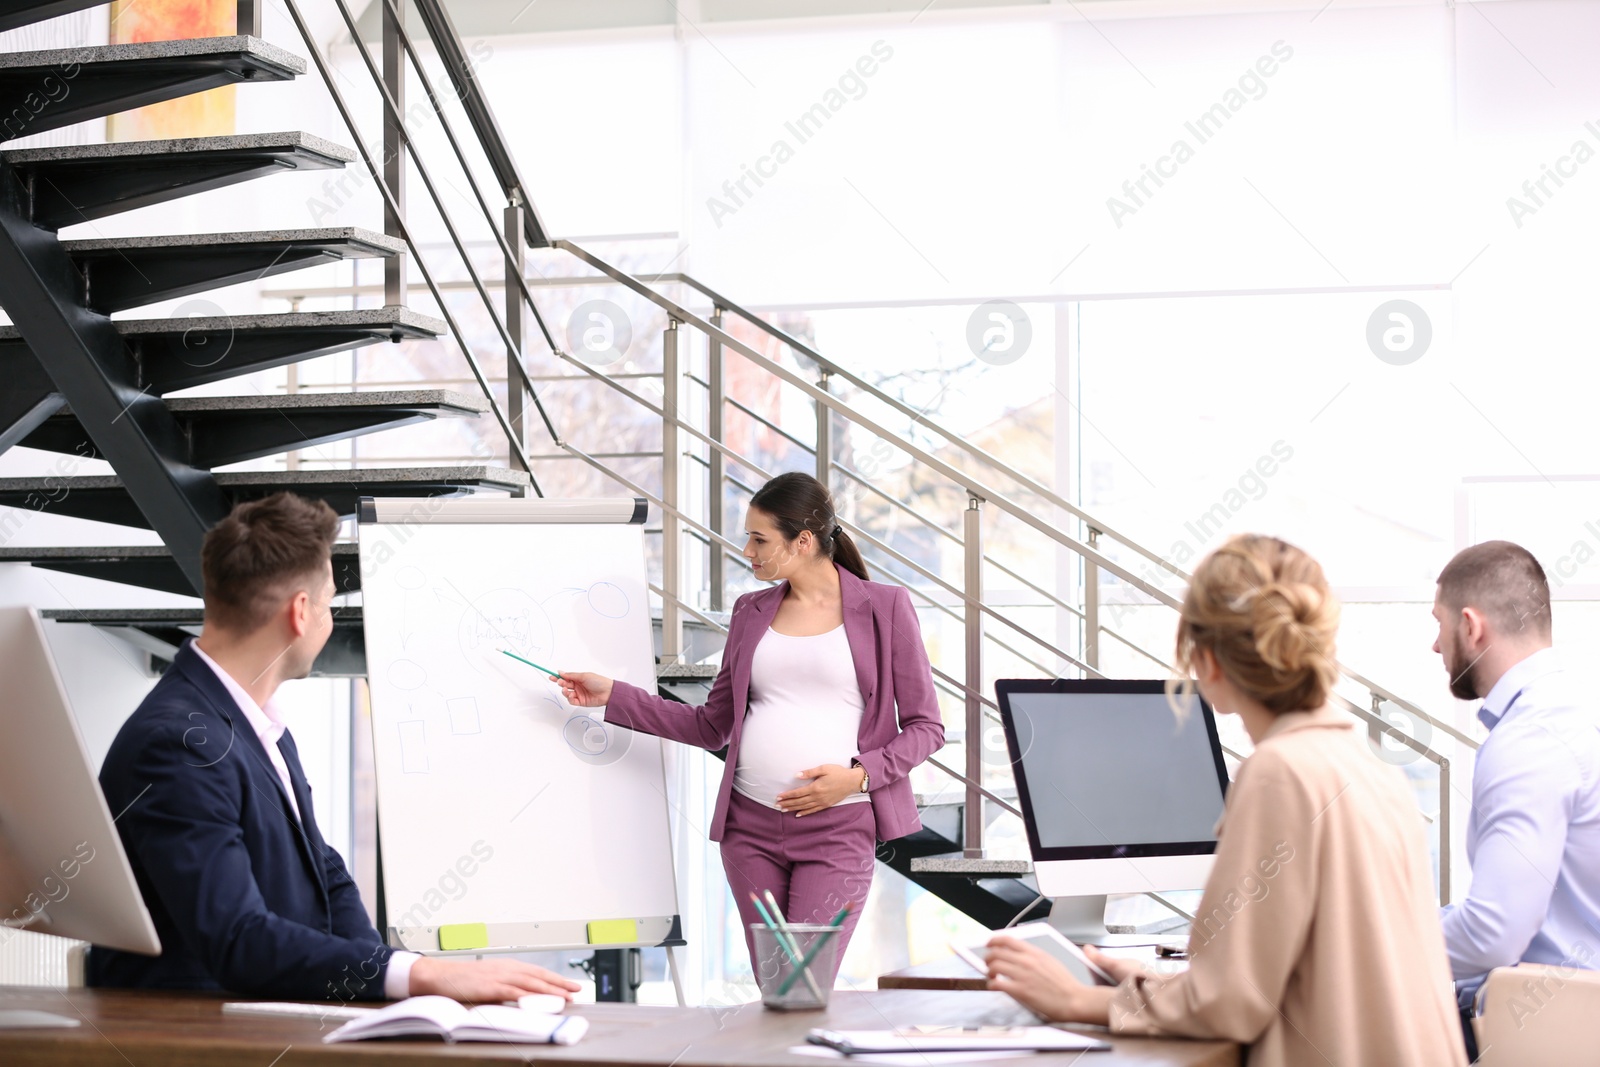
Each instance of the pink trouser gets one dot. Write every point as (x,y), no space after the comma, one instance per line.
(813,865)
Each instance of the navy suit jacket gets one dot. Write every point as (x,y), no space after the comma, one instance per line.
(245,897)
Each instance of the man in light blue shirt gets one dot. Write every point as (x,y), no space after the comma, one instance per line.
(1533,835)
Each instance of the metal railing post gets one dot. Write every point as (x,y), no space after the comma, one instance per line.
(1444,830)
(972,549)
(824,436)
(394,156)
(248,18)
(1091,606)
(715,516)
(671,528)
(516,388)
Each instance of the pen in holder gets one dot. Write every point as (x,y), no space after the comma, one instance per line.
(772,916)
(785,955)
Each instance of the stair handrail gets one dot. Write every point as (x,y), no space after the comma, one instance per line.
(442,31)
(1030,484)
(397,213)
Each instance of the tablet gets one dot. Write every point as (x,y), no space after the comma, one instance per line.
(1047,937)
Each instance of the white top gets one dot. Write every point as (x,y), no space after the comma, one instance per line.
(269,727)
(804,711)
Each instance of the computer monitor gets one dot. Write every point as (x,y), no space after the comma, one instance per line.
(62,867)
(1119,793)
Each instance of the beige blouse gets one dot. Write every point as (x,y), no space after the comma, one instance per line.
(1318,940)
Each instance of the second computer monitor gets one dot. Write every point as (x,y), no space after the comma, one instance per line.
(1119,793)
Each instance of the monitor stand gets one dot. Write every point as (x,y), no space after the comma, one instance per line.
(1083,920)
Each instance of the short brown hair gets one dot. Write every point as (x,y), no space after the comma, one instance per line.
(1264,609)
(1502,580)
(250,559)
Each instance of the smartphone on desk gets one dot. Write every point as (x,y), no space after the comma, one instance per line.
(1046,937)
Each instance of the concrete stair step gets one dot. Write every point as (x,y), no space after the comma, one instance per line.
(162,631)
(124,272)
(982,867)
(103,498)
(76,183)
(220,430)
(45,90)
(152,566)
(179,353)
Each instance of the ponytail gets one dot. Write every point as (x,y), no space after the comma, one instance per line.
(797,501)
(847,555)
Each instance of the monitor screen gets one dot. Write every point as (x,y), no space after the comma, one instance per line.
(1106,769)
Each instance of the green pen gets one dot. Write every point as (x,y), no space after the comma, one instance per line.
(530,663)
(805,963)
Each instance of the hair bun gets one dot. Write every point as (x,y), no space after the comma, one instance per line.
(1290,631)
(1264,609)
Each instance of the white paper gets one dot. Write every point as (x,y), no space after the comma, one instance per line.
(891,1059)
(947,1039)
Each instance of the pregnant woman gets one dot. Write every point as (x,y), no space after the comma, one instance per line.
(825,702)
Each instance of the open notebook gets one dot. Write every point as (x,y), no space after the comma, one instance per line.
(443,1017)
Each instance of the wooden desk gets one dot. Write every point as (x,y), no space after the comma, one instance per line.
(150,1029)
(949,975)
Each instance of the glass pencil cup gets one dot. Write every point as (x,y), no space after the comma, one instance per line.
(784,986)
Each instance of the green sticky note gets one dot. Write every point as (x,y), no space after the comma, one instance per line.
(613,932)
(463,935)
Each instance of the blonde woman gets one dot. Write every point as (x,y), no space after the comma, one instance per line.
(1318,937)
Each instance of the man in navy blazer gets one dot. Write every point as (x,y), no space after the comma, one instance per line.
(215,811)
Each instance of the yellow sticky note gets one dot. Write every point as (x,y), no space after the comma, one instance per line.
(613,932)
(463,935)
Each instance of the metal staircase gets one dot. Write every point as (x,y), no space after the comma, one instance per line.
(84,385)
(74,381)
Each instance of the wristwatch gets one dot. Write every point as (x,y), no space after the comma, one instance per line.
(866,779)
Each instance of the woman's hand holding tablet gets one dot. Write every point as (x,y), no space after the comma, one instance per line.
(1047,939)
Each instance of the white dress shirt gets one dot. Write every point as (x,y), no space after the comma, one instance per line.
(269,727)
(1533,835)
(265,721)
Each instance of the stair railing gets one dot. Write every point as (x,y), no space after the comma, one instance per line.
(992,484)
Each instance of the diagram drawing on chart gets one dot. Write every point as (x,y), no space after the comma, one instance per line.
(456,620)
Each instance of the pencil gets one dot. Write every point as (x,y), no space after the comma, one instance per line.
(772,915)
(777,935)
(530,663)
(805,962)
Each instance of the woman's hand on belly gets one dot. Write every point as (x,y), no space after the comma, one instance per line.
(830,783)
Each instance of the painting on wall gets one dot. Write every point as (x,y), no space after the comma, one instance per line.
(206,114)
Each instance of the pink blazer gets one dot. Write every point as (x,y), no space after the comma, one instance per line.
(892,670)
